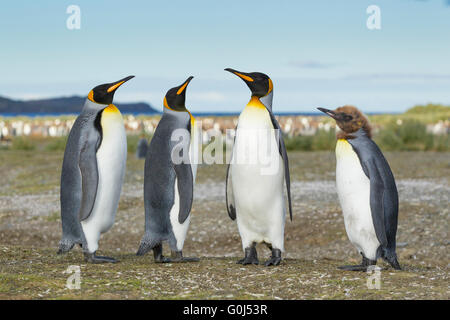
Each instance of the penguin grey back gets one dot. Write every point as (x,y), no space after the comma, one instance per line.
(383,190)
(83,141)
(160,173)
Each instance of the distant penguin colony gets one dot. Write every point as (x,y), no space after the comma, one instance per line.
(257,176)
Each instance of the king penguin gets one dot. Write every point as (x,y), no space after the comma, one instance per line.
(92,172)
(254,187)
(366,189)
(169,177)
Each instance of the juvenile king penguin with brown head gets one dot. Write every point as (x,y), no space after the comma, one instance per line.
(92,172)
(366,189)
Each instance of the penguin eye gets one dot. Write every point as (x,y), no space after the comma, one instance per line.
(348,117)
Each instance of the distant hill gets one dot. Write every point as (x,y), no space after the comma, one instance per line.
(429,108)
(63,105)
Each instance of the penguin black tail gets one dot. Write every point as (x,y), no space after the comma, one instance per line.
(146,245)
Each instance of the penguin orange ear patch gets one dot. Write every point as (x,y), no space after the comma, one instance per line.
(270,86)
(165,103)
(91,96)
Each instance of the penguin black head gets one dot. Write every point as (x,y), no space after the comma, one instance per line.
(349,119)
(175,98)
(259,83)
(104,93)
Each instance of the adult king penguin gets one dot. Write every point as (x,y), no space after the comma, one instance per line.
(254,193)
(366,190)
(169,177)
(92,172)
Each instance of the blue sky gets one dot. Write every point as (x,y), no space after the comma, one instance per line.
(318,53)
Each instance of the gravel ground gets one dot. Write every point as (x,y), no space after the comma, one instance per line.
(316,242)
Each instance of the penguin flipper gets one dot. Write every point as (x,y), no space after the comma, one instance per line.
(283,153)
(383,191)
(376,201)
(231,207)
(89,175)
(185,181)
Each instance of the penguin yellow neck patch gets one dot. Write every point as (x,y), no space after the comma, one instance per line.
(111,116)
(111,109)
(192,118)
(255,103)
(343,148)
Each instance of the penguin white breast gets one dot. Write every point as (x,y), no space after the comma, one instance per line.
(179,229)
(257,171)
(353,189)
(111,163)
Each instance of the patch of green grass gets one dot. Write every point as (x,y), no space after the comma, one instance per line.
(322,140)
(56,144)
(304,143)
(429,108)
(133,140)
(442,143)
(410,135)
(53,217)
(22,143)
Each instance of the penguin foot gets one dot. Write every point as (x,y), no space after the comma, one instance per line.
(358,267)
(145,246)
(92,258)
(246,261)
(251,256)
(158,256)
(394,263)
(65,246)
(275,259)
(162,259)
(365,264)
(177,256)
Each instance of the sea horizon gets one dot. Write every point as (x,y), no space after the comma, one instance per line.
(196,114)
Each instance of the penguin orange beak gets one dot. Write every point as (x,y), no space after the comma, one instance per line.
(115,85)
(329,112)
(184,85)
(241,75)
